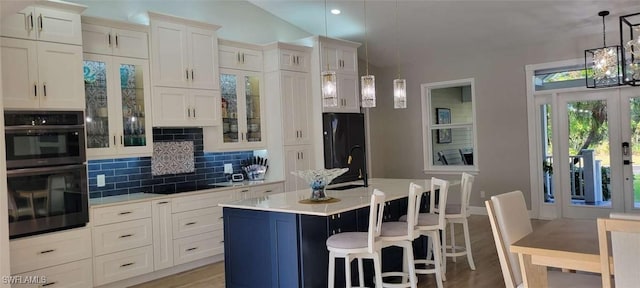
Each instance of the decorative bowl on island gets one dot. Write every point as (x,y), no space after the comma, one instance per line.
(318,180)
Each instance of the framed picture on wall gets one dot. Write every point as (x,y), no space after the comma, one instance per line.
(443,116)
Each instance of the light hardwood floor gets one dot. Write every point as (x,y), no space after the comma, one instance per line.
(459,275)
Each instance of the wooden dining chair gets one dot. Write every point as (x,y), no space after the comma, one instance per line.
(510,222)
(623,232)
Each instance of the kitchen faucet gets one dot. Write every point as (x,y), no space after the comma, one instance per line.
(364,163)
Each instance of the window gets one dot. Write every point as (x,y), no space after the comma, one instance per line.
(560,77)
(448,122)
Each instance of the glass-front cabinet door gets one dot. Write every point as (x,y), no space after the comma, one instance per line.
(242,119)
(118,106)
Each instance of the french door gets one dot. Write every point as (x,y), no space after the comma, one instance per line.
(588,142)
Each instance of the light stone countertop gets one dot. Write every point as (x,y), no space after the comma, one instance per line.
(141,197)
(350,199)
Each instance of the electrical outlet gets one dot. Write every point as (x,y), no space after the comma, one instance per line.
(100,180)
(482,195)
(228,168)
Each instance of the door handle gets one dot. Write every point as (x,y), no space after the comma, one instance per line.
(40,25)
(35,89)
(109,39)
(192,77)
(116,40)
(30,21)
(187,72)
(44,86)
(189,112)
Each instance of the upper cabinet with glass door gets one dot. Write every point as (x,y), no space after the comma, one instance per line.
(118,106)
(242,113)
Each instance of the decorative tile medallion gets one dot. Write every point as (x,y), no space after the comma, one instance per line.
(172,158)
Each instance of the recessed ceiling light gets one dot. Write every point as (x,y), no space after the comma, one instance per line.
(335,11)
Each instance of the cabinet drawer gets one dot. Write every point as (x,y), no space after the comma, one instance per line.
(119,213)
(197,222)
(71,275)
(122,265)
(265,190)
(200,201)
(38,252)
(197,247)
(121,236)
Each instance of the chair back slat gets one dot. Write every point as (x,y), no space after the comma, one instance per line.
(375,218)
(442,186)
(623,231)
(510,222)
(413,207)
(465,187)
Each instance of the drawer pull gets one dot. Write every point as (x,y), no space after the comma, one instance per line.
(125,213)
(245,190)
(222,241)
(268,191)
(221,217)
(48,284)
(163,202)
(190,223)
(191,249)
(128,264)
(127,235)
(47,251)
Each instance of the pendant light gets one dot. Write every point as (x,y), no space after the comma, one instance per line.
(604,62)
(399,84)
(367,82)
(630,27)
(329,80)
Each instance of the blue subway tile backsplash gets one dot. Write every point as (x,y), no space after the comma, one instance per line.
(133,175)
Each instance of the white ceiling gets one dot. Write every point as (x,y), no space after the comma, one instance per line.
(427,27)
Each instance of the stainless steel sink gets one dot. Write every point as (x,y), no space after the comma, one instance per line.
(345,187)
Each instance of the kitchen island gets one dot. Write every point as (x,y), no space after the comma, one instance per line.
(275,241)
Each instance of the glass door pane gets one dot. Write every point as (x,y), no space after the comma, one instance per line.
(547,152)
(133,106)
(252,94)
(634,149)
(97,110)
(228,87)
(589,153)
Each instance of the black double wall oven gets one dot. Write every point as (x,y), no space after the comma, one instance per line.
(46,171)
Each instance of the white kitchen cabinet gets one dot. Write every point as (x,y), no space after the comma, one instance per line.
(236,55)
(162,234)
(179,107)
(122,265)
(339,57)
(40,74)
(118,108)
(51,249)
(78,274)
(295,90)
(121,236)
(243,124)
(348,95)
(299,157)
(184,53)
(102,37)
(51,21)
(197,247)
(292,60)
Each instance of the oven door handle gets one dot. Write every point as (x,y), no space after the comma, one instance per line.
(39,170)
(43,127)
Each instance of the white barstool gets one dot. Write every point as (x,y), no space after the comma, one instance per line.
(359,245)
(459,214)
(402,234)
(430,224)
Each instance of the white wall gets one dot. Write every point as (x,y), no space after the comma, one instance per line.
(240,20)
(501,112)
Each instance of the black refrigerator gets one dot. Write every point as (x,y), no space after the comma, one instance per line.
(343,137)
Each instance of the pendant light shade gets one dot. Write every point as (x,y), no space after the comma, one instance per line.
(399,93)
(630,39)
(329,79)
(329,93)
(603,64)
(368,81)
(368,87)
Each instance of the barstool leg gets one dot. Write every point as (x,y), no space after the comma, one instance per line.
(347,271)
(332,270)
(467,241)
(437,257)
(413,279)
(405,264)
(452,228)
(360,273)
(377,269)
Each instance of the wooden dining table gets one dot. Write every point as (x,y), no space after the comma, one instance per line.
(562,243)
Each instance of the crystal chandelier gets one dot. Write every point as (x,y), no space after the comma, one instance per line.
(399,85)
(367,82)
(329,80)
(630,25)
(604,62)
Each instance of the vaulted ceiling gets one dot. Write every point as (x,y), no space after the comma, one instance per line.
(427,27)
